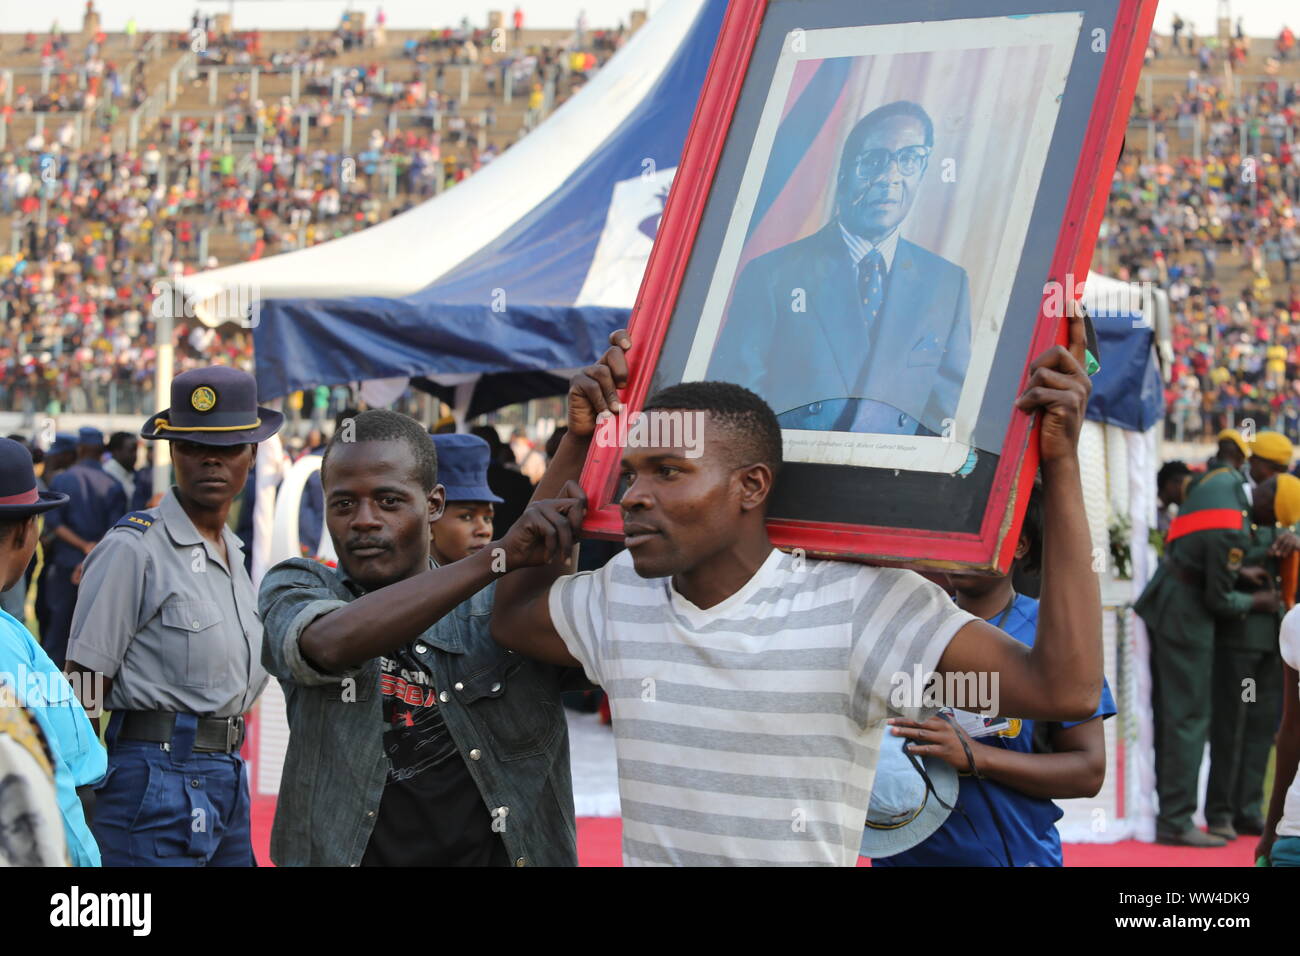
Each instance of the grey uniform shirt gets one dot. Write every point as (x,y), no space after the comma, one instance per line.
(171,623)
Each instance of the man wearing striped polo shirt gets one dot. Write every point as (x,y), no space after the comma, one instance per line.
(751,692)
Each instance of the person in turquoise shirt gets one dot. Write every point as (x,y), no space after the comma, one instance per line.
(80,760)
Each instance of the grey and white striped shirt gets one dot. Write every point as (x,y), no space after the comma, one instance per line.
(748,733)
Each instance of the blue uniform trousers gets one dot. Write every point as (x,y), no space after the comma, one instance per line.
(61,595)
(174,807)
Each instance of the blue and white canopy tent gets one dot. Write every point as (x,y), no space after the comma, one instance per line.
(500,286)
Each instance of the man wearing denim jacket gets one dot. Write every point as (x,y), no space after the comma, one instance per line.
(414,738)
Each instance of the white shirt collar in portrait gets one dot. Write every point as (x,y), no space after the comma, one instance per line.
(859,247)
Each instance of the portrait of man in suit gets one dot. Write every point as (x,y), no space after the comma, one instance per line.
(854,328)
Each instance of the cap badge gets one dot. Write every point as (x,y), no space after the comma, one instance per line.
(203,399)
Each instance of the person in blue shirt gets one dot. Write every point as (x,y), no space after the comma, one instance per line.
(1004,814)
(78,757)
(95,502)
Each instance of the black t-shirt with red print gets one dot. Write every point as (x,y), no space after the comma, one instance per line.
(431,812)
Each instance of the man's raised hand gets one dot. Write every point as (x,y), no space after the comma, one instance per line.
(546,530)
(1059,387)
(595,389)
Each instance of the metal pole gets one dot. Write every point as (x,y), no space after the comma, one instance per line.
(4,130)
(464,85)
(392,124)
(212,87)
(252,85)
(347,133)
(294,78)
(508,86)
(162,383)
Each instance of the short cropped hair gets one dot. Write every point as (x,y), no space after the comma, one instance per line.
(1171,470)
(749,419)
(118,439)
(853,143)
(383,425)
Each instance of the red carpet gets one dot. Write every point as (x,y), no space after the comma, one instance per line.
(598,845)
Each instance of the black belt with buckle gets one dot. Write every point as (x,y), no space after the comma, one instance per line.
(214,734)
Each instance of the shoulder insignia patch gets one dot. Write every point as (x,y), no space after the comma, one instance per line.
(139,520)
(1234,559)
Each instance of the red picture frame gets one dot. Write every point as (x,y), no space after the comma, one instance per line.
(993,546)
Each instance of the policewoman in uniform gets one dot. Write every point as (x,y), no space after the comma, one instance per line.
(1247,681)
(169,616)
(1195,586)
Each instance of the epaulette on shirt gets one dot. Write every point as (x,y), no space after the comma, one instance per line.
(139,520)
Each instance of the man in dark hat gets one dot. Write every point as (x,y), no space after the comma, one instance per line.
(95,502)
(60,456)
(14,599)
(76,754)
(168,616)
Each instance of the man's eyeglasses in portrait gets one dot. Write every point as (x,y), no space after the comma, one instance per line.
(874,162)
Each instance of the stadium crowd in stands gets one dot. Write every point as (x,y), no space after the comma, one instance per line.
(94,227)
(1209,214)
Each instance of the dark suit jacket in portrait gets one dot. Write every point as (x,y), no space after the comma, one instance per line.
(812,365)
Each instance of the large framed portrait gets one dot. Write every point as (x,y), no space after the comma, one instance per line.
(879,216)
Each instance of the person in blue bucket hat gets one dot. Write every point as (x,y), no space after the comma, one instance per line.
(466,523)
(168,619)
